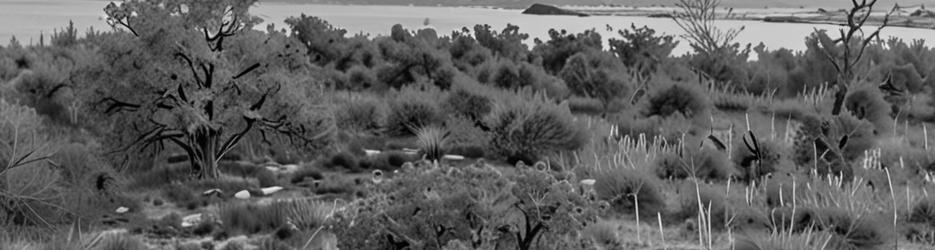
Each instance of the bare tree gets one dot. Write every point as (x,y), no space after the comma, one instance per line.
(846,52)
(696,18)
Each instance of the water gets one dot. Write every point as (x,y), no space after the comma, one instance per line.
(28,19)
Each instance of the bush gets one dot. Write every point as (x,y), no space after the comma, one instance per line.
(306,214)
(245,218)
(433,141)
(344,160)
(364,114)
(596,74)
(753,163)
(412,109)
(854,231)
(603,234)
(121,241)
(360,77)
(667,98)
(866,102)
(305,173)
(923,211)
(532,126)
(181,195)
(470,105)
(707,163)
(713,198)
(626,189)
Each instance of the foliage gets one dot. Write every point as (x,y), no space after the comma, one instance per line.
(191,89)
(641,49)
(361,114)
(531,125)
(667,98)
(706,163)
(562,45)
(630,189)
(433,141)
(245,218)
(867,103)
(507,43)
(468,104)
(598,75)
(477,206)
(29,191)
(413,108)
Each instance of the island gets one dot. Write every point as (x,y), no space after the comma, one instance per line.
(544,9)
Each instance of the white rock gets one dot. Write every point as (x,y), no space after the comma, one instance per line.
(243,195)
(272,169)
(371,152)
(453,157)
(191,220)
(271,190)
(213,192)
(121,210)
(289,168)
(588,182)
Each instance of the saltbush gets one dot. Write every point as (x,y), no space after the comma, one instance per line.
(363,114)
(866,102)
(667,98)
(532,125)
(626,189)
(473,106)
(413,109)
(706,163)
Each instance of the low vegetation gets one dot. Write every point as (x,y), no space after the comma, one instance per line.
(185,127)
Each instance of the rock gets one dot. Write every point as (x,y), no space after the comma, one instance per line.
(121,210)
(588,182)
(371,152)
(453,157)
(213,192)
(543,9)
(191,220)
(270,190)
(243,195)
(272,169)
(289,168)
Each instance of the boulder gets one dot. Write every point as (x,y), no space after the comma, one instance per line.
(243,195)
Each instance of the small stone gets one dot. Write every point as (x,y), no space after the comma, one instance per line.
(191,220)
(121,210)
(289,168)
(213,192)
(453,157)
(588,182)
(243,195)
(371,152)
(271,190)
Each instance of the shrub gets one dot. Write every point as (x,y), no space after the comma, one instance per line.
(306,214)
(667,98)
(641,48)
(603,233)
(763,158)
(923,211)
(596,74)
(360,77)
(531,126)
(305,173)
(387,161)
(866,102)
(562,45)
(28,186)
(121,241)
(707,163)
(245,218)
(344,160)
(854,231)
(181,195)
(412,109)
(470,105)
(363,114)
(626,189)
(433,141)
(712,198)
